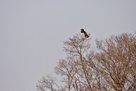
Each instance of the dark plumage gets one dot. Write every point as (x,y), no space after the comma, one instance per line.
(84,34)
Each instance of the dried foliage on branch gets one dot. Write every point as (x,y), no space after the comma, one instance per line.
(111,68)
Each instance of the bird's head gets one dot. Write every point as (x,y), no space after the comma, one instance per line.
(82,30)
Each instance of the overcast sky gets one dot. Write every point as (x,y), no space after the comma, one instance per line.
(32,34)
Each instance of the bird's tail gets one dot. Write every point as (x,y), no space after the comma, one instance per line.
(87,36)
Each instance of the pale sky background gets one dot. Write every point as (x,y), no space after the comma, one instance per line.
(32,34)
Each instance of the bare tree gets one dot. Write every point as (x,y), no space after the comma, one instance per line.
(116,61)
(47,83)
(77,47)
(65,68)
(111,68)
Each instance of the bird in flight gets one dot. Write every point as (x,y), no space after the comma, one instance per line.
(84,34)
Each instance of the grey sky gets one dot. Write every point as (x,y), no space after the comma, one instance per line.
(32,33)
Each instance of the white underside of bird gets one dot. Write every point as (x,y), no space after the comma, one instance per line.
(82,34)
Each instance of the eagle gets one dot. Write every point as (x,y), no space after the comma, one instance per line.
(84,34)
